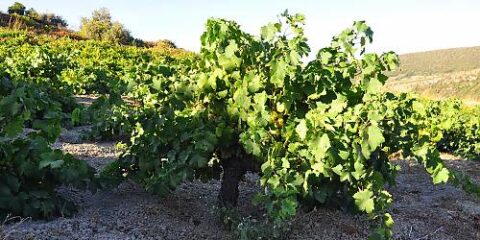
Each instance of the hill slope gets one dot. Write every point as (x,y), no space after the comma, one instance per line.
(440,74)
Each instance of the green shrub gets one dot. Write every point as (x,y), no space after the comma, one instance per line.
(17,8)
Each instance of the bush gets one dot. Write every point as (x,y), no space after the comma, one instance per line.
(165,44)
(53,20)
(17,8)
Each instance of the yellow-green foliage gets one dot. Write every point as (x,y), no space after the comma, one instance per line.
(168,48)
(101,27)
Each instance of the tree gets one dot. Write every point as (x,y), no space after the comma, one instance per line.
(17,8)
(32,13)
(117,33)
(46,18)
(101,27)
(52,19)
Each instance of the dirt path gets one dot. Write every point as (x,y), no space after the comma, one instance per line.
(421,210)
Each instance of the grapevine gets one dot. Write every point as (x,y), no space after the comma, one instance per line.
(317,132)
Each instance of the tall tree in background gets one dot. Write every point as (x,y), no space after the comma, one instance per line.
(17,8)
(101,27)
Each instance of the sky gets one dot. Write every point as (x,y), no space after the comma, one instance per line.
(401,26)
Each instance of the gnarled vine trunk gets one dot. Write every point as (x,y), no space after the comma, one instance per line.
(233,171)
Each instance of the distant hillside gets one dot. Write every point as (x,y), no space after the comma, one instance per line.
(20,21)
(440,74)
(439,61)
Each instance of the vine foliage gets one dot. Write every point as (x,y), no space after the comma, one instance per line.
(317,132)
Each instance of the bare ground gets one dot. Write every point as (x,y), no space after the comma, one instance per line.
(421,210)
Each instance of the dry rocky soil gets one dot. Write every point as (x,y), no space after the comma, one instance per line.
(421,210)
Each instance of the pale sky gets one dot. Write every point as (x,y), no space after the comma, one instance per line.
(402,26)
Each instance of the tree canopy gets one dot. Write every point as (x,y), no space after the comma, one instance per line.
(101,27)
(17,8)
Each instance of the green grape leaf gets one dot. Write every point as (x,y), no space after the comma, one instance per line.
(319,146)
(252,148)
(441,175)
(14,128)
(364,200)
(375,137)
(254,83)
(278,73)
(301,129)
(274,181)
(49,163)
(268,32)
(228,60)
(289,207)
